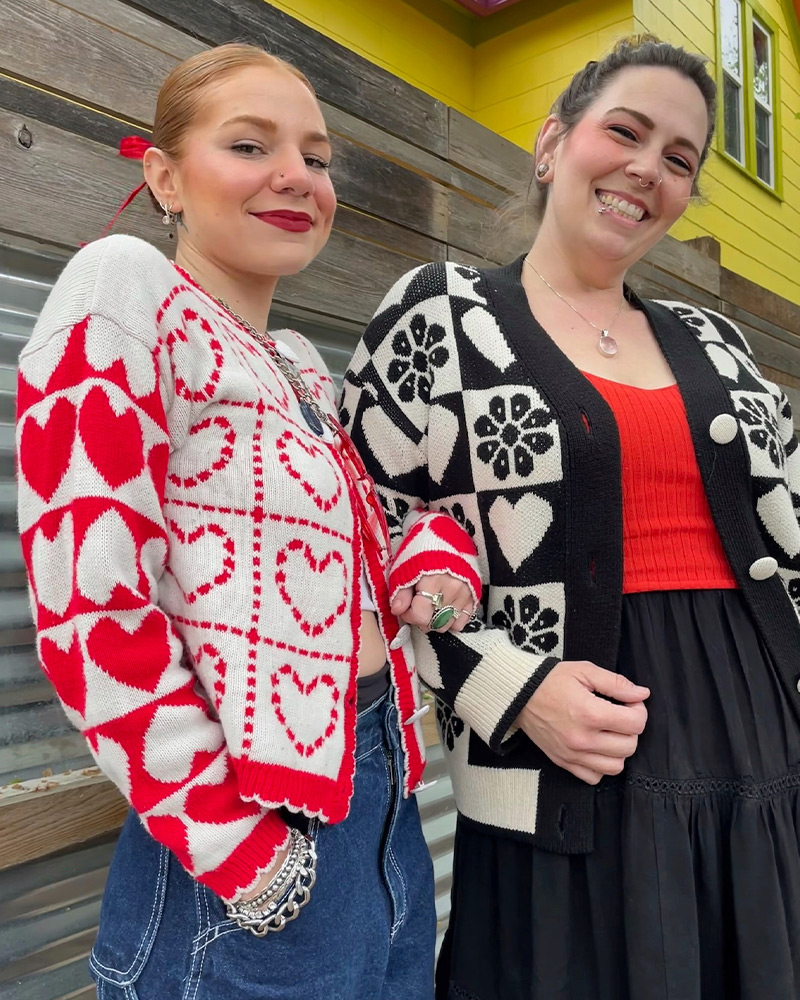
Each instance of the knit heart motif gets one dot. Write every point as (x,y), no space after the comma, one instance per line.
(189,567)
(521,526)
(293,454)
(223,456)
(53,589)
(137,658)
(304,580)
(65,670)
(219,666)
(185,358)
(113,442)
(45,450)
(305,708)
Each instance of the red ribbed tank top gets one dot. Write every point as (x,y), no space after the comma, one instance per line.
(670,541)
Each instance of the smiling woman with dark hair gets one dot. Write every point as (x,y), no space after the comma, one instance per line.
(622,726)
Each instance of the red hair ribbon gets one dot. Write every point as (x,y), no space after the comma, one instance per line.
(132,147)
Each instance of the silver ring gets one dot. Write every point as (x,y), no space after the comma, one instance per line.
(435,599)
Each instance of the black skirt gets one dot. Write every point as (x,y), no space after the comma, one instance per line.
(693,889)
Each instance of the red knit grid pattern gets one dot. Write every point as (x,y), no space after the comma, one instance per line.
(670,541)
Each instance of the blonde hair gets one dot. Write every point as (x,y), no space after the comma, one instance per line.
(181,95)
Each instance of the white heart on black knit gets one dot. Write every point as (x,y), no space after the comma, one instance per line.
(521,526)
(388,443)
(482,329)
(442,437)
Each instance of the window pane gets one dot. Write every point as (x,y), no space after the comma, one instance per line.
(732,118)
(731,41)
(761,68)
(764,145)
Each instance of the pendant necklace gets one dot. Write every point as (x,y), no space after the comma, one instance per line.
(606,345)
(313,414)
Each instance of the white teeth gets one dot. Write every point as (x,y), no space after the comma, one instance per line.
(620,206)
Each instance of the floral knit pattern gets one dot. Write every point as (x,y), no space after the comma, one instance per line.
(518,447)
(194,558)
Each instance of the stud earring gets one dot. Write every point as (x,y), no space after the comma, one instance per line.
(542,169)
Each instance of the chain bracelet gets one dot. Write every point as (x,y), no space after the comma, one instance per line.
(285,908)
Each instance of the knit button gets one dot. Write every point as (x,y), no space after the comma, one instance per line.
(798,684)
(723,429)
(764,568)
(423,785)
(401,637)
(422,710)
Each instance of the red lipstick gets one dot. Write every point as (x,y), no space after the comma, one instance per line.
(292,222)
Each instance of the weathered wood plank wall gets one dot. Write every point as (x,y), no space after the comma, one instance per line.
(416,181)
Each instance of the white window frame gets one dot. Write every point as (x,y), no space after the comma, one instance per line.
(758,102)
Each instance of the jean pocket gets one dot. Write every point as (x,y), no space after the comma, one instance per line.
(133,905)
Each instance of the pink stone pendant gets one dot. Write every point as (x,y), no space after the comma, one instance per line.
(607,345)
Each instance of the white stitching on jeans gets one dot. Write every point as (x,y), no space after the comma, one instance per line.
(162,873)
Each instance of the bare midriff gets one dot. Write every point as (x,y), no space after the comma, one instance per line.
(372,651)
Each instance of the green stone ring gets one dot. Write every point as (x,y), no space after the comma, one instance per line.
(443,617)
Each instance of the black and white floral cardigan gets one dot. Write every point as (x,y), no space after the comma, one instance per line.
(458,400)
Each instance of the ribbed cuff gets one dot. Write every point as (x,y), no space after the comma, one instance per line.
(491,698)
(242,869)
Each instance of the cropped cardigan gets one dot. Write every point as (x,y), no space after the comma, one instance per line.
(459,400)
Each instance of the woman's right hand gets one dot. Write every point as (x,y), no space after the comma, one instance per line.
(587,735)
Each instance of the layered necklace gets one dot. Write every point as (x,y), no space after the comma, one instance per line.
(313,414)
(606,345)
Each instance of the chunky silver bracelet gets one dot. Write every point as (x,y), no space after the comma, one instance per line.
(286,894)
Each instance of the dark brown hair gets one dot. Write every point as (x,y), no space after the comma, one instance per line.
(587,85)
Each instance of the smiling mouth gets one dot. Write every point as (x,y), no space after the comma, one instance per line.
(618,206)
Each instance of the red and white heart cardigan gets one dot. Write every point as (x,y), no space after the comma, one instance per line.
(194,557)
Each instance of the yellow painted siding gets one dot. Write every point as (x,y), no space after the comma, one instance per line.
(397,37)
(509,82)
(759,235)
(519,74)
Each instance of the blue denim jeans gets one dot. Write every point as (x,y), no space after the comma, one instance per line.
(368,932)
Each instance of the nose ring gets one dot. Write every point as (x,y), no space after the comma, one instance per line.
(649,183)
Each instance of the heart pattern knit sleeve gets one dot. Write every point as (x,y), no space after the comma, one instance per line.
(93,446)
(402,403)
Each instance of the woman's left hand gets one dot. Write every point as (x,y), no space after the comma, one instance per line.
(413,607)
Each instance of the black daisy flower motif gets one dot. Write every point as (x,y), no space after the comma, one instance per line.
(396,510)
(794,590)
(512,435)
(531,629)
(450,726)
(458,513)
(763,426)
(417,350)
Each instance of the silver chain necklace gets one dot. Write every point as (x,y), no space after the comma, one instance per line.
(606,345)
(313,414)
